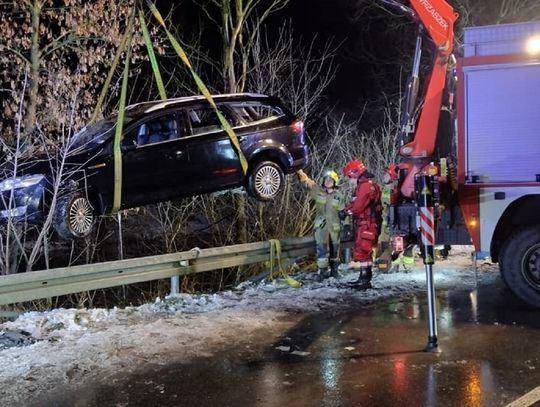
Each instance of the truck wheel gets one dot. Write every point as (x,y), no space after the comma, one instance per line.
(74,216)
(266,181)
(520,264)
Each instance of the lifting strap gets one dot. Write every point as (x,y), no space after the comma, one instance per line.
(117,200)
(110,75)
(152,56)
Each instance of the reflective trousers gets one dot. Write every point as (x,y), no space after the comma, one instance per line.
(327,246)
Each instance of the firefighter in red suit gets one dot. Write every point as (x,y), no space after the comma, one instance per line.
(366,209)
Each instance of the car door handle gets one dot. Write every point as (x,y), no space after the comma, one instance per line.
(176,154)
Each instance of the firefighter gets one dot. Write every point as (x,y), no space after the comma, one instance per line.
(329,201)
(366,209)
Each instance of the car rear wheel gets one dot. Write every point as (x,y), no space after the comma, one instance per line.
(266,181)
(74,216)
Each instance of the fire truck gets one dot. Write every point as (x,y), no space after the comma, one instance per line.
(473,125)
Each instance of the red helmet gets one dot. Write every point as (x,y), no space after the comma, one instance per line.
(392,170)
(354,169)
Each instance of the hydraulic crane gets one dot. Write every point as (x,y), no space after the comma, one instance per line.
(473,164)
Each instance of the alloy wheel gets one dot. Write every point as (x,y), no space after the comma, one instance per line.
(267,181)
(81,216)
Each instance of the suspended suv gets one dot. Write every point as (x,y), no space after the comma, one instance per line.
(169,149)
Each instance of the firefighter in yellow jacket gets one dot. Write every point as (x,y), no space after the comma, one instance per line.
(329,200)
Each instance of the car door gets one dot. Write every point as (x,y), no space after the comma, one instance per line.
(212,155)
(155,160)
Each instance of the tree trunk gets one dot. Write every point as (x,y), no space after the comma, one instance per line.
(35,62)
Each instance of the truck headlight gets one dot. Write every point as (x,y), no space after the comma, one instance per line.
(20,182)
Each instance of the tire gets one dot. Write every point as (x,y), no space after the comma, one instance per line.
(74,217)
(266,181)
(520,264)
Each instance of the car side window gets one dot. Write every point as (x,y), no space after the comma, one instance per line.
(205,120)
(155,130)
(253,112)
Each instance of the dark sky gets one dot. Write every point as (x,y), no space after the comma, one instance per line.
(372,55)
(375,46)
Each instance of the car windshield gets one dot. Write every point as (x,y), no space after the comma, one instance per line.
(93,134)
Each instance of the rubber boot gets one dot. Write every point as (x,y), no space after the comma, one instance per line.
(364,279)
(322,274)
(334,267)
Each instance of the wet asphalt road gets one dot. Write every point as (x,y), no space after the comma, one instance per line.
(368,356)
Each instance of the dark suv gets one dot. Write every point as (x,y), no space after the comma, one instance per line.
(171,149)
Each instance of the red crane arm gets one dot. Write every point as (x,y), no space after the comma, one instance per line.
(438,18)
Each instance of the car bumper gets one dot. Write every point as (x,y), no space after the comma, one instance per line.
(300,159)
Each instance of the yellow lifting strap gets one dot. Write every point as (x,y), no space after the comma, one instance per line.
(275,259)
(117,200)
(200,84)
(152,56)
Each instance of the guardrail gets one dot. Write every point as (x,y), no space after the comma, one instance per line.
(61,281)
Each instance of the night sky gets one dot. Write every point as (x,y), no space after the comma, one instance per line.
(374,56)
(373,52)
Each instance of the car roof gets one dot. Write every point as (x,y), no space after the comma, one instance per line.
(156,105)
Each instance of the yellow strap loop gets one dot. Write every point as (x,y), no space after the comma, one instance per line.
(275,259)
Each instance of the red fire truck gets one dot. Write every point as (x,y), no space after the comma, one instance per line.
(475,127)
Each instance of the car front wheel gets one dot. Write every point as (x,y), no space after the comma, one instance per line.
(74,217)
(266,181)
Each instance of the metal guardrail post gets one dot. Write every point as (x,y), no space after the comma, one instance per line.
(175,280)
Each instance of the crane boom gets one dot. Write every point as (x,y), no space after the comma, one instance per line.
(420,119)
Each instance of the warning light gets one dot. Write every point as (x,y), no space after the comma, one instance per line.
(432,170)
(473,222)
(533,45)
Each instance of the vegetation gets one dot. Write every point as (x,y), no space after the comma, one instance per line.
(54,58)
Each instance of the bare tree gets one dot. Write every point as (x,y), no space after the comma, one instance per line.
(297,73)
(238,22)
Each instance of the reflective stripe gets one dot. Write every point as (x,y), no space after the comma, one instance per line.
(322,263)
(320,199)
(427,225)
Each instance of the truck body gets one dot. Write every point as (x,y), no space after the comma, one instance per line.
(477,123)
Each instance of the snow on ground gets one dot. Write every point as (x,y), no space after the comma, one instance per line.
(66,347)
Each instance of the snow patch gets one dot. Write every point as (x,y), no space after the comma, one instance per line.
(74,346)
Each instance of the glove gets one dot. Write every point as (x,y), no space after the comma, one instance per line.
(342,214)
